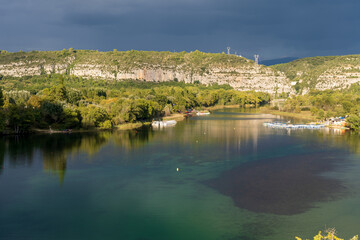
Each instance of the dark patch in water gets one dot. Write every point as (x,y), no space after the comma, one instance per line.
(284,186)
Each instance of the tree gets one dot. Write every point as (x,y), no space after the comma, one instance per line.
(353,121)
(1,98)
(34,101)
(331,235)
(20,118)
(93,116)
(51,112)
(347,106)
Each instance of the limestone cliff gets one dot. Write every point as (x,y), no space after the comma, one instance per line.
(206,68)
(321,73)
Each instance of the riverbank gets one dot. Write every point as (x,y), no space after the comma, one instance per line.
(121,127)
(217,107)
(126,126)
(304,115)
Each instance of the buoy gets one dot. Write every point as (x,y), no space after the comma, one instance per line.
(177,169)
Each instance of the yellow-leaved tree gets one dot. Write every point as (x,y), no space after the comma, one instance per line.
(330,234)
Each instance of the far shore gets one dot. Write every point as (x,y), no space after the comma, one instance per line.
(305,115)
(121,127)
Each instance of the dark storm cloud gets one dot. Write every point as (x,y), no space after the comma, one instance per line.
(274,28)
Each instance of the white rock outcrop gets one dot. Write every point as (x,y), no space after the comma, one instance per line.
(247,77)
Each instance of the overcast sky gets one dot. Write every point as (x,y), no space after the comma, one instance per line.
(271,28)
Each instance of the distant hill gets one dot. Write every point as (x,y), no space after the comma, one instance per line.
(300,75)
(151,66)
(277,61)
(329,72)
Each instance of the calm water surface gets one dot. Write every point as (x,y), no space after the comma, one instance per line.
(236,180)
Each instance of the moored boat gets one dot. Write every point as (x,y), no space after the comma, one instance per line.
(160,124)
(294,126)
(202,113)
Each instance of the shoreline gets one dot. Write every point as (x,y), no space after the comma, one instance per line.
(304,115)
(177,117)
(121,127)
(131,126)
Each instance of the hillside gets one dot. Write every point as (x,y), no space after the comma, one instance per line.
(330,72)
(205,68)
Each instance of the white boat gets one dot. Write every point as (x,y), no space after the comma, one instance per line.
(202,113)
(160,124)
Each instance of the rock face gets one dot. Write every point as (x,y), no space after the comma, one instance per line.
(258,79)
(246,76)
(338,78)
(322,73)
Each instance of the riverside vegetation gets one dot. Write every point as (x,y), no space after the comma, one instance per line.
(60,101)
(326,104)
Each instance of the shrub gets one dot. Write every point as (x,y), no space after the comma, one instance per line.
(106,125)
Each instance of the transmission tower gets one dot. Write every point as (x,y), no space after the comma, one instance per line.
(256,56)
(228,50)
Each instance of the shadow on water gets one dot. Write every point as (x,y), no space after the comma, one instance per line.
(284,185)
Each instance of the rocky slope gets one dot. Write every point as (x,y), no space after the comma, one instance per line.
(206,68)
(321,73)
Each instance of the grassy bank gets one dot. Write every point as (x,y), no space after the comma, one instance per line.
(305,115)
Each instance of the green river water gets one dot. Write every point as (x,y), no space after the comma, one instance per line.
(236,179)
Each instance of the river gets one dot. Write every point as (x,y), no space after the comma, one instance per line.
(222,176)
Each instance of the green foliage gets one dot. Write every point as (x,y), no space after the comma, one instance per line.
(18,97)
(327,104)
(51,112)
(2,119)
(93,116)
(353,122)
(106,125)
(195,62)
(20,118)
(63,101)
(1,98)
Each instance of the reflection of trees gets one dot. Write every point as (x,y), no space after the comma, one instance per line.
(20,150)
(92,143)
(2,154)
(57,148)
(55,163)
(54,148)
(131,140)
(336,138)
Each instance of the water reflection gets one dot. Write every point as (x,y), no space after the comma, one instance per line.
(56,148)
(256,174)
(20,150)
(132,140)
(199,139)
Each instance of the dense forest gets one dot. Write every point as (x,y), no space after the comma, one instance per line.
(67,102)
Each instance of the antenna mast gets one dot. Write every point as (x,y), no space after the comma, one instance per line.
(256,56)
